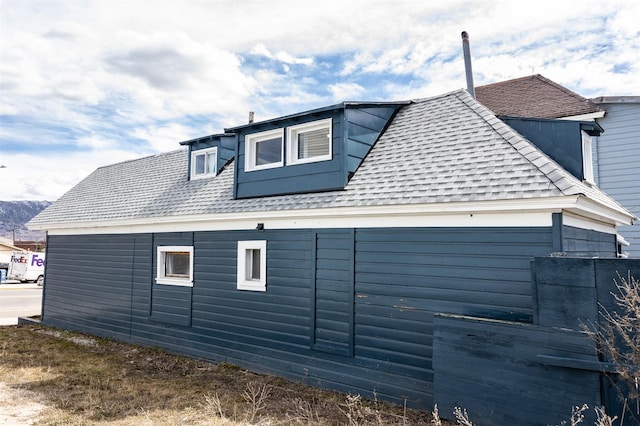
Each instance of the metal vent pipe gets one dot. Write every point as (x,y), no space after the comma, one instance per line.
(467,64)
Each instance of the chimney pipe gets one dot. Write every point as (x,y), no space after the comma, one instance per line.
(467,64)
(250,117)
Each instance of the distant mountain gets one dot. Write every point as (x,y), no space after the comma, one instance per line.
(15,214)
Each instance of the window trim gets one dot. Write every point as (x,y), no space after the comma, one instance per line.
(206,152)
(292,141)
(160,266)
(587,158)
(248,284)
(252,140)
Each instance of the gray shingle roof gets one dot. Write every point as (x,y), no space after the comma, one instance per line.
(443,149)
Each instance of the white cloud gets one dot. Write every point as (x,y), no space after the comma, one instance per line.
(33,176)
(346,91)
(111,82)
(165,138)
(282,56)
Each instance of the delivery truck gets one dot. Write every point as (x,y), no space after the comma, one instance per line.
(26,266)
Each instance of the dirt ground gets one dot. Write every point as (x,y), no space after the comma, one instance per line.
(18,406)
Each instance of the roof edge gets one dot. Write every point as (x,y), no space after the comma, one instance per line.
(341,105)
(387,212)
(616,100)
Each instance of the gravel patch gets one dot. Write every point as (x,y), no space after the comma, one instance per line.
(18,406)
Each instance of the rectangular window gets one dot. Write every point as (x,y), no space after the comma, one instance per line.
(175,265)
(587,158)
(204,163)
(309,142)
(252,265)
(264,150)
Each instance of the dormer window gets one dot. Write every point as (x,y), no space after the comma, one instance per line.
(318,150)
(309,142)
(203,163)
(264,150)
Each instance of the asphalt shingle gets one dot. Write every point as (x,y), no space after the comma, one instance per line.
(443,149)
(533,96)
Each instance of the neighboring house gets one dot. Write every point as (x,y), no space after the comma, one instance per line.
(319,246)
(40,245)
(609,159)
(617,158)
(536,96)
(6,250)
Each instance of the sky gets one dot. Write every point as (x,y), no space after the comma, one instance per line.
(84,84)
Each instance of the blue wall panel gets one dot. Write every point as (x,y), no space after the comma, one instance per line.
(363,127)
(89,281)
(333,291)
(493,369)
(559,139)
(588,243)
(346,309)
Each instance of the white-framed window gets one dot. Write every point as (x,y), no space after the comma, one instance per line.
(252,265)
(587,157)
(204,163)
(175,265)
(264,150)
(309,142)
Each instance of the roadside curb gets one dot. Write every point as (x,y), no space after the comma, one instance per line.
(9,286)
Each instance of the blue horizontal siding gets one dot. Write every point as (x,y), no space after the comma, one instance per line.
(588,243)
(89,283)
(347,309)
(492,369)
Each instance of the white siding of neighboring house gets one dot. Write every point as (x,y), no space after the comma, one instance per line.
(616,155)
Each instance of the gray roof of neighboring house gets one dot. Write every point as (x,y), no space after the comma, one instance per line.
(447,148)
(616,100)
(533,96)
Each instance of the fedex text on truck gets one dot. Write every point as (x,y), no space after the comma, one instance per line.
(35,260)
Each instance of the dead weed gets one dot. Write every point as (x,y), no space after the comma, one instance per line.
(91,381)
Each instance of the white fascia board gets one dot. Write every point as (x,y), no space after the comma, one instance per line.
(582,222)
(507,213)
(599,212)
(592,116)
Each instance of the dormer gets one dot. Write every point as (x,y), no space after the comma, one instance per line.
(313,151)
(568,142)
(208,155)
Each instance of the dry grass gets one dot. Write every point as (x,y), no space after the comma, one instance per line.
(87,381)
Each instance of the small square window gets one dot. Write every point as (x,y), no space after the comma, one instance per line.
(264,150)
(175,265)
(309,142)
(252,265)
(204,163)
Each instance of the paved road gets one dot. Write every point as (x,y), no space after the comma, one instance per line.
(19,300)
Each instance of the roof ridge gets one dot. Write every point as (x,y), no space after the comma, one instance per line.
(566,90)
(158,154)
(443,95)
(526,77)
(556,174)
